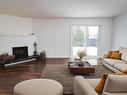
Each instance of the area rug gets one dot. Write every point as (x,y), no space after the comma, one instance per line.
(60,73)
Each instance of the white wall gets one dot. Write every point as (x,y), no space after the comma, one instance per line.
(14,32)
(14,25)
(119,31)
(54,34)
(9,41)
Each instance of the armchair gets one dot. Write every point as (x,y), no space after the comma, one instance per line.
(115,85)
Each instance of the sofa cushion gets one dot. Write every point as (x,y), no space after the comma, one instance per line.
(124,53)
(112,61)
(109,61)
(121,66)
(116,84)
(106,93)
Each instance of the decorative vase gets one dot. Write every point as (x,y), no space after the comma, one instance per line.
(35,48)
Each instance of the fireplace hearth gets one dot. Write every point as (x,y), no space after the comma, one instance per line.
(20,52)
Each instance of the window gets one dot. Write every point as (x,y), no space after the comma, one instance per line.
(85,38)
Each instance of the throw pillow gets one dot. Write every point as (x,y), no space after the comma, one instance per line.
(99,88)
(110,53)
(116,55)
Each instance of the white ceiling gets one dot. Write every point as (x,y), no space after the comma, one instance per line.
(63,8)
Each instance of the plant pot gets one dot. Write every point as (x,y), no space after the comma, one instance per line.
(80,63)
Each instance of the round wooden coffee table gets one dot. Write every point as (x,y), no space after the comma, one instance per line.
(76,69)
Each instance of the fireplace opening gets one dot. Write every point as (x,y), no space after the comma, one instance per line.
(20,52)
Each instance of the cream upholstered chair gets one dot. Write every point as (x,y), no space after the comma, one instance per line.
(38,87)
(115,85)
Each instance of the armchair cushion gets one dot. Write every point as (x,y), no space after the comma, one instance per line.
(116,84)
(93,82)
(106,93)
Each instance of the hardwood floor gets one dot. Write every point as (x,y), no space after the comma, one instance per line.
(12,75)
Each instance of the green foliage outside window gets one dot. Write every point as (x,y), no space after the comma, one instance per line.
(78,38)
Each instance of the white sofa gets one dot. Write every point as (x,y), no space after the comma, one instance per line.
(115,85)
(117,65)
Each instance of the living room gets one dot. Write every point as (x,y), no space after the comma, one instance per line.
(38,38)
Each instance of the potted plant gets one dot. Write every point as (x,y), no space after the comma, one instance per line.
(81,54)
